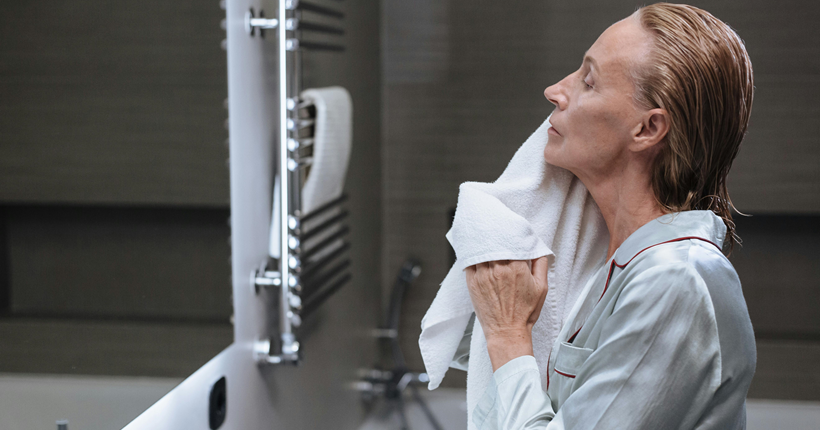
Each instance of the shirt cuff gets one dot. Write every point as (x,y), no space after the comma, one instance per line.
(514,367)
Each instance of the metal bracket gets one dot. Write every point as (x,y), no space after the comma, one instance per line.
(268,279)
(262,23)
(289,354)
(265,279)
(271,279)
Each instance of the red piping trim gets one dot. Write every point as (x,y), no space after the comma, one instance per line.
(571,338)
(621,266)
(606,286)
(565,374)
(609,275)
(548,369)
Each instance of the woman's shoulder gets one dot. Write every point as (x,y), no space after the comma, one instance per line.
(689,275)
(702,258)
(691,271)
(688,267)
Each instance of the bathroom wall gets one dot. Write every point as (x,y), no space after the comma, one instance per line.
(464,84)
(114,205)
(113,187)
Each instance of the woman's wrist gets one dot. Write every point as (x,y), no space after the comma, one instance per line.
(508,345)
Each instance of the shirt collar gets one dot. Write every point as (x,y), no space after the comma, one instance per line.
(702,224)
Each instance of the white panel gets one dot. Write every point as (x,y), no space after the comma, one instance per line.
(252,101)
(186,406)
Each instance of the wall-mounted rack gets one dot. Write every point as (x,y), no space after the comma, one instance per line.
(311,265)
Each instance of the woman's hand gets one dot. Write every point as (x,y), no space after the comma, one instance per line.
(507,296)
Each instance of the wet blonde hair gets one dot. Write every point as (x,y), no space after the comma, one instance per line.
(700,73)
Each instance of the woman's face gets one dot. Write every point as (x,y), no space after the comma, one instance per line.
(595,117)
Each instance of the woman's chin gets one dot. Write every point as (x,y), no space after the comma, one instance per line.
(550,157)
(554,158)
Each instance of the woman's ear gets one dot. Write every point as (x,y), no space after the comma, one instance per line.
(651,131)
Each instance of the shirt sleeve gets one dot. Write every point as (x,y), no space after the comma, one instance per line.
(514,398)
(657,364)
(461,359)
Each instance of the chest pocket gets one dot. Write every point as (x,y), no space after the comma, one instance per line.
(570,358)
(561,382)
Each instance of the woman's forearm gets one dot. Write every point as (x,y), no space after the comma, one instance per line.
(508,345)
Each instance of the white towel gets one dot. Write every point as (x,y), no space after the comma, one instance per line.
(331,146)
(534,209)
(332,138)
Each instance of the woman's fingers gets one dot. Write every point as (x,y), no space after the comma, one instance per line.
(539,275)
(508,294)
(477,276)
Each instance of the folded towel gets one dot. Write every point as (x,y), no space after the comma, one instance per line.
(274,244)
(534,209)
(331,146)
(332,137)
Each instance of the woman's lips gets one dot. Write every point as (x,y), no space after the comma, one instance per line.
(553,131)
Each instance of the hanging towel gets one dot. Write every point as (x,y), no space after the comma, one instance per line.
(534,209)
(274,249)
(331,147)
(332,137)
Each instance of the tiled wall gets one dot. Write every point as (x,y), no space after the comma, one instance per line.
(114,206)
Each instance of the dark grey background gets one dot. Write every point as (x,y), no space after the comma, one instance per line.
(114,188)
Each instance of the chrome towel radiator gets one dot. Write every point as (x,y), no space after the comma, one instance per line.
(312,263)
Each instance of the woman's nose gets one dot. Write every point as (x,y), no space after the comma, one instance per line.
(556,95)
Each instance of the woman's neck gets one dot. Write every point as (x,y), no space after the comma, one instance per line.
(627,202)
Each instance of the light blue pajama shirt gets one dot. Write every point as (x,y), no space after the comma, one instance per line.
(660,339)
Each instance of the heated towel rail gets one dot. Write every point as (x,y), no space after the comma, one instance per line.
(312,263)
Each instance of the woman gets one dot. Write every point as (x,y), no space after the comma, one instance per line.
(661,338)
